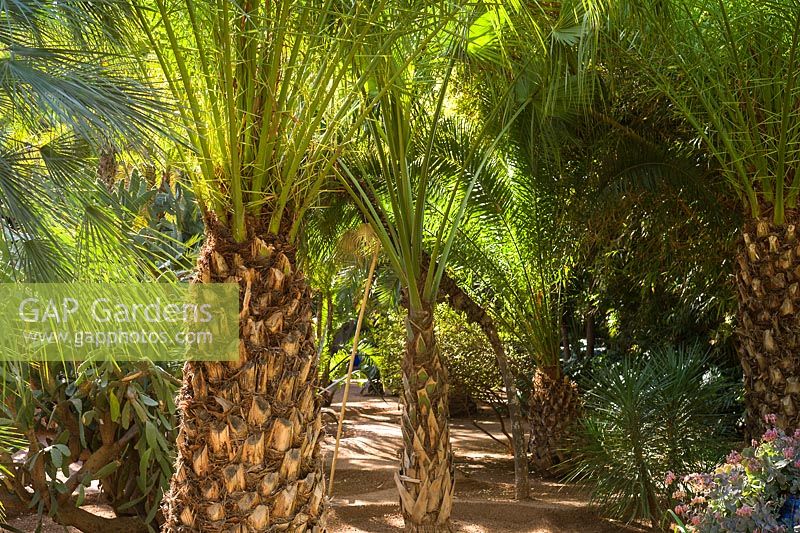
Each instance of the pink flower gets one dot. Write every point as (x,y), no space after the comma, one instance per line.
(770,435)
(770,419)
(744,510)
(695,520)
(752,464)
(797,464)
(697,500)
(797,433)
(680,509)
(788,453)
(678,495)
(734,458)
(670,478)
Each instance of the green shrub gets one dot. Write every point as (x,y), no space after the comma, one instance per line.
(71,413)
(659,412)
(387,335)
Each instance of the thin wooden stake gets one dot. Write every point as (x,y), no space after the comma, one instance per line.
(350,366)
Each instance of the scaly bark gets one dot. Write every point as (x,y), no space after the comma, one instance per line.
(248,452)
(554,407)
(426,480)
(768,282)
(107,166)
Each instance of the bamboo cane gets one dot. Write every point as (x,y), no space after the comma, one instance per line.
(350,366)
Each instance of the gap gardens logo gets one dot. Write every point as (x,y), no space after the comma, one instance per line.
(131,321)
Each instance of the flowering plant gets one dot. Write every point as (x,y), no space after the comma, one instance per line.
(746,493)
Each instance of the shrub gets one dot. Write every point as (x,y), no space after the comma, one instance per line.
(644,417)
(746,493)
(71,415)
(470,361)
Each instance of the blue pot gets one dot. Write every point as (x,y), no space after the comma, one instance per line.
(790,512)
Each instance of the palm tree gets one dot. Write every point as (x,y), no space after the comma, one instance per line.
(730,70)
(395,186)
(266,94)
(519,246)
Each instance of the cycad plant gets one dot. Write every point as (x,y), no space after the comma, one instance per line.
(730,70)
(266,93)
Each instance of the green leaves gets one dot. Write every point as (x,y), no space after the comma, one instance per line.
(729,68)
(57,453)
(269,99)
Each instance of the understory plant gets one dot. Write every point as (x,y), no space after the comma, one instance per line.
(646,416)
(746,493)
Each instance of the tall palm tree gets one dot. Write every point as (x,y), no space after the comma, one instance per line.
(730,70)
(394,185)
(266,94)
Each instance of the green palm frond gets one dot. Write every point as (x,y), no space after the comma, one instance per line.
(67,64)
(269,93)
(730,68)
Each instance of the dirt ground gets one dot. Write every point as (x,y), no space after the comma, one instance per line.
(365,497)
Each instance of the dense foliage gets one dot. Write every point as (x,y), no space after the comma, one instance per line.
(553,192)
(663,411)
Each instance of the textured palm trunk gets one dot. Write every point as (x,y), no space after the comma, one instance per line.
(768,280)
(248,453)
(426,479)
(107,166)
(554,407)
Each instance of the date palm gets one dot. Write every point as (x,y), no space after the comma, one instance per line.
(267,94)
(730,70)
(396,185)
(517,245)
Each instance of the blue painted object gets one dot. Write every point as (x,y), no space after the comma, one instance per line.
(790,513)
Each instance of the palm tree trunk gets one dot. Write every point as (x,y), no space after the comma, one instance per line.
(554,407)
(248,452)
(768,280)
(426,479)
(326,341)
(107,166)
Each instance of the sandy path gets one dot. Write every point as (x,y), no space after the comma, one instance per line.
(365,498)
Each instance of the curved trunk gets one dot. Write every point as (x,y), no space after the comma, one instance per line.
(554,407)
(461,301)
(426,479)
(248,453)
(768,280)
